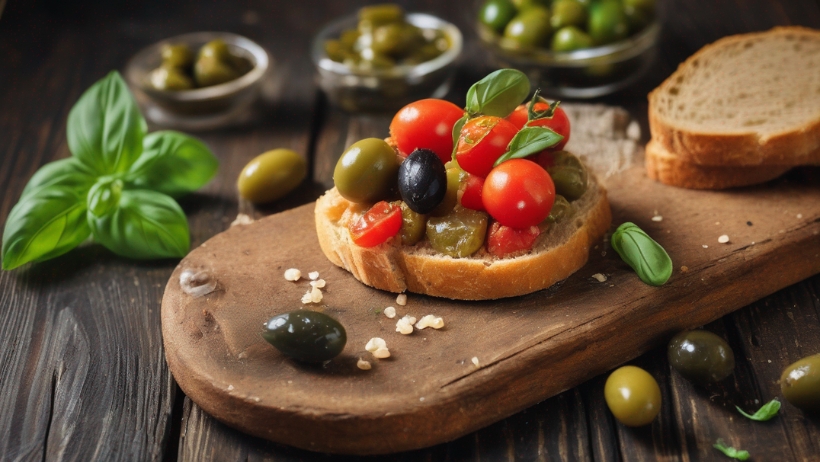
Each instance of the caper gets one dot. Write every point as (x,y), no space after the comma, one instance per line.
(170,78)
(367,171)
(422,180)
(570,38)
(177,55)
(569,175)
(458,234)
(305,335)
(800,383)
(701,356)
(633,396)
(561,209)
(529,28)
(607,22)
(271,175)
(496,14)
(413,225)
(216,49)
(567,13)
(209,71)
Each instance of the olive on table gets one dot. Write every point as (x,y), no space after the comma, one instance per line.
(422,181)
(496,14)
(633,396)
(530,28)
(177,55)
(170,78)
(800,383)
(607,22)
(569,175)
(570,38)
(271,175)
(367,171)
(568,13)
(701,356)
(458,234)
(413,225)
(304,335)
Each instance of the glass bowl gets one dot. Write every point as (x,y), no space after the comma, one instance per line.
(383,90)
(586,73)
(200,108)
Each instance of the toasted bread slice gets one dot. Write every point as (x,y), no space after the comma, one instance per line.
(751,99)
(668,168)
(557,253)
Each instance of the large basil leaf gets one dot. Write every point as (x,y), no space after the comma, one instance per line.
(146,225)
(104,197)
(498,94)
(47,222)
(172,163)
(68,173)
(528,141)
(642,253)
(105,127)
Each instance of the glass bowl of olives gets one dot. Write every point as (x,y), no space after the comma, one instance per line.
(571,48)
(198,81)
(382,59)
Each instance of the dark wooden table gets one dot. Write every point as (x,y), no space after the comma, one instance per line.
(82,368)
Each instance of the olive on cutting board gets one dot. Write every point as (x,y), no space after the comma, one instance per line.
(800,383)
(304,335)
(633,396)
(701,356)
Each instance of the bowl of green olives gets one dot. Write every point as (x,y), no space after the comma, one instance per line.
(571,48)
(198,81)
(382,59)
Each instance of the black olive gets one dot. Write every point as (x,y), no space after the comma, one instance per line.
(422,181)
(306,335)
(701,356)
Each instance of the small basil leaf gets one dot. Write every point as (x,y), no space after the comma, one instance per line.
(104,197)
(528,141)
(67,173)
(767,412)
(457,132)
(738,454)
(45,223)
(498,94)
(146,225)
(642,253)
(105,127)
(172,163)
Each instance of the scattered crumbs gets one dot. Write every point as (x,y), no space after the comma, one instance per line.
(292,274)
(770,361)
(717,222)
(684,269)
(401,299)
(257,399)
(723,239)
(319,283)
(657,218)
(314,295)
(390,312)
(599,277)
(748,223)
(430,320)
(475,361)
(421,399)
(404,325)
(757,401)
(633,131)
(753,242)
(290,381)
(230,387)
(363,365)
(612,285)
(799,216)
(242,219)
(242,355)
(705,246)
(378,347)
(782,231)
(313,275)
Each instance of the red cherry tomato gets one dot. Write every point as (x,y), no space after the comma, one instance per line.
(482,141)
(426,124)
(379,224)
(518,193)
(559,122)
(503,240)
(471,192)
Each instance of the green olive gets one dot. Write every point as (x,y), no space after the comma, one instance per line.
(645,5)
(529,28)
(637,18)
(367,171)
(455,175)
(522,5)
(397,39)
(569,175)
(170,79)
(458,234)
(561,209)
(216,49)
(177,55)
(633,396)
(495,14)
(413,225)
(209,71)
(800,383)
(607,22)
(305,335)
(701,356)
(571,38)
(381,14)
(271,175)
(568,13)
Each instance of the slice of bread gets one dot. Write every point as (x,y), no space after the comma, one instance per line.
(557,253)
(751,99)
(668,168)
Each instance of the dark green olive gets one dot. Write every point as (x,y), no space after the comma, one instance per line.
(569,175)
(209,71)
(305,335)
(570,38)
(561,209)
(397,39)
(170,79)
(216,49)
(367,171)
(568,13)
(413,225)
(800,383)
(458,234)
(529,28)
(177,55)
(495,14)
(701,356)
(271,175)
(607,22)
(633,396)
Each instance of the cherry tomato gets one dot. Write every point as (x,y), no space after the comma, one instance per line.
(518,193)
(379,224)
(559,122)
(426,124)
(503,240)
(471,192)
(482,141)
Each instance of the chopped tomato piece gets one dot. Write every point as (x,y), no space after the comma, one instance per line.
(379,224)
(503,240)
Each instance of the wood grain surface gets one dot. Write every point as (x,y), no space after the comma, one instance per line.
(82,369)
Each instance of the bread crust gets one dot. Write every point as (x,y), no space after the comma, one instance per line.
(396,268)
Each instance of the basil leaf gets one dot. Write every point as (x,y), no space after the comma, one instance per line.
(104,197)
(765,413)
(738,454)
(172,163)
(105,127)
(498,94)
(642,253)
(146,225)
(67,173)
(47,222)
(528,141)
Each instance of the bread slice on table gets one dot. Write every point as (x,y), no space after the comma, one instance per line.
(557,253)
(751,99)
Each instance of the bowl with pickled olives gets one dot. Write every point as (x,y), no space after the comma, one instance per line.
(382,58)
(571,48)
(199,80)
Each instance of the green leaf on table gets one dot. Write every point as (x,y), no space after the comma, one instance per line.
(498,94)
(172,163)
(642,253)
(67,173)
(738,454)
(145,225)
(529,141)
(47,222)
(767,412)
(105,127)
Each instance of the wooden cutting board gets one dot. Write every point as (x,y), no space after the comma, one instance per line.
(528,348)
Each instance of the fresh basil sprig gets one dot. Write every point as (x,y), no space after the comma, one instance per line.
(116,185)
(497,94)
(642,253)
(767,412)
(738,454)
(528,141)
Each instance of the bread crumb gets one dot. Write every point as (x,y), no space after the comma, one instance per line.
(242,219)
(705,246)
(657,218)
(723,239)
(405,325)
(313,275)
(378,347)
(799,216)
(430,321)
(390,312)
(314,295)
(684,269)
(599,277)
(401,299)
(292,274)
(475,361)
(363,365)
(381,353)
(633,131)
(319,283)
